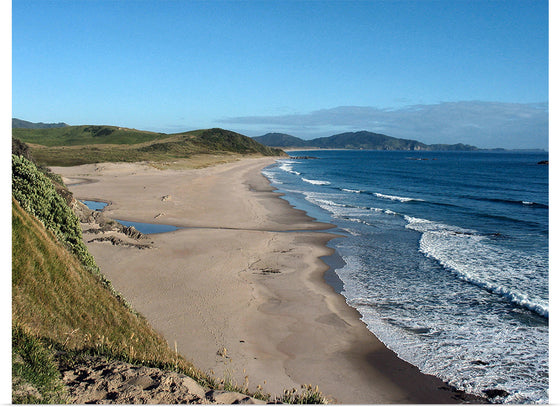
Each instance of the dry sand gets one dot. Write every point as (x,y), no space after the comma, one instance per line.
(240,289)
(95,380)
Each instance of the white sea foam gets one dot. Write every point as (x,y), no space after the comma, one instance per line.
(396,198)
(327,202)
(336,209)
(357,220)
(270,175)
(316,182)
(351,231)
(354,191)
(381,210)
(287,166)
(391,310)
(472,258)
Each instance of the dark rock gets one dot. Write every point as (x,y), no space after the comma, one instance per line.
(132,232)
(20,148)
(492,393)
(269,271)
(544,162)
(464,397)
(115,241)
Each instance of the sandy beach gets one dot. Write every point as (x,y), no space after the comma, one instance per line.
(240,289)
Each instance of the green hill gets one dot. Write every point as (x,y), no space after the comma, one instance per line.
(367,141)
(280,140)
(356,141)
(225,140)
(23,124)
(209,141)
(75,145)
(84,135)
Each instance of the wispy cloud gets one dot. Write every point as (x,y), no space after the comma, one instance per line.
(484,124)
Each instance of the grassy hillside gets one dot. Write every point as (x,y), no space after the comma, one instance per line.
(84,135)
(60,302)
(56,299)
(75,145)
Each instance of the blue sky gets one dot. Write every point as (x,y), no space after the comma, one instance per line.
(437,71)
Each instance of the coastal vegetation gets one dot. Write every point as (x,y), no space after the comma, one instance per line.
(76,145)
(64,311)
(60,301)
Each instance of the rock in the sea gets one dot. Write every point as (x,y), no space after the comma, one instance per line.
(492,393)
(544,162)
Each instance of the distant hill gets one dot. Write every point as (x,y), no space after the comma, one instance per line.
(84,135)
(367,141)
(23,124)
(357,140)
(280,140)
(75,145)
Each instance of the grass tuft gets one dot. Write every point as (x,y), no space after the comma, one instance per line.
(35,377)
(308,395)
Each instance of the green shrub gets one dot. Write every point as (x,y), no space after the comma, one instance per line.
(36,194)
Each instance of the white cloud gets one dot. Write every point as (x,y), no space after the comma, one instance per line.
(483,124)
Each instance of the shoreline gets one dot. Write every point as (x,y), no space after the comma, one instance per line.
(247,293)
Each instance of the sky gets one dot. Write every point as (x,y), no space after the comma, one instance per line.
(449,71)
(438,71)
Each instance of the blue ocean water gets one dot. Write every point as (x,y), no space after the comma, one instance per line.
(446,257)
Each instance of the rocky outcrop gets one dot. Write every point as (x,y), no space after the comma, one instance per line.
(493,393)
(96,223)
(115,241)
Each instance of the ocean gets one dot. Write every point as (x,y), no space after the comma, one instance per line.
(446,257)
